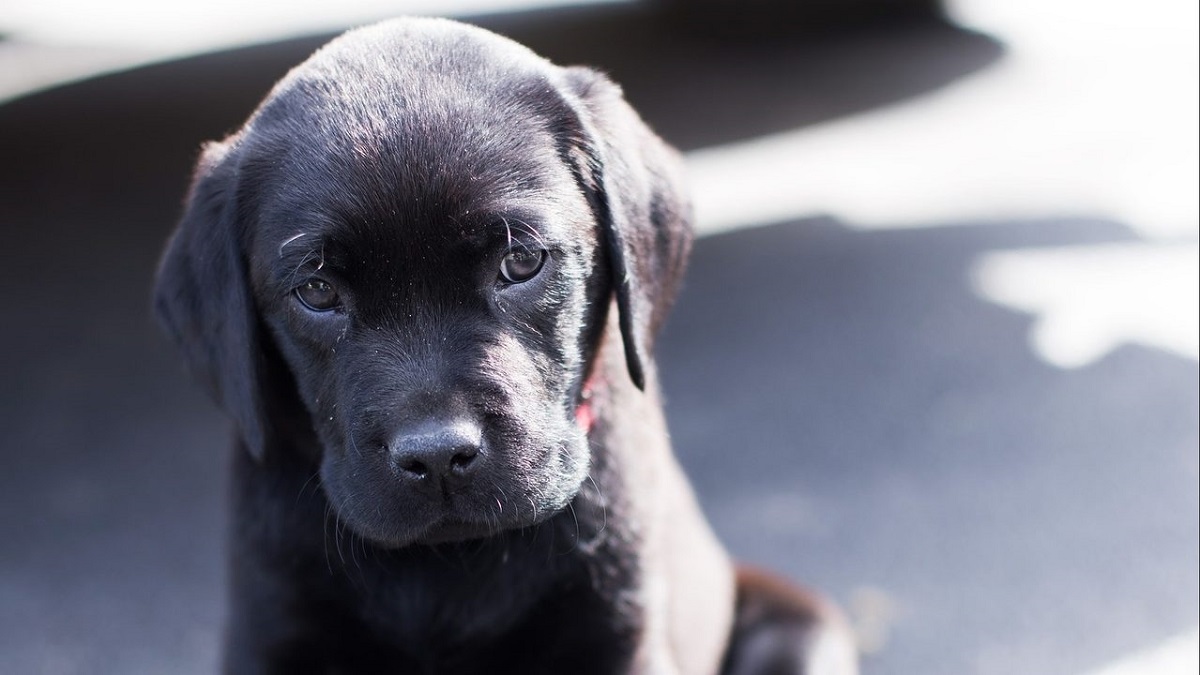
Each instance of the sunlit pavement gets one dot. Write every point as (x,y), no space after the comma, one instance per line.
(936,355)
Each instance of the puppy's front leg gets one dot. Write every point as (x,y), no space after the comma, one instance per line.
(780,629)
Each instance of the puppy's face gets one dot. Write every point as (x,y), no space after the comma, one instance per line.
(428,275)
(415,238)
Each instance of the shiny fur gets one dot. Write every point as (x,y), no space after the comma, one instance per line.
(446,471)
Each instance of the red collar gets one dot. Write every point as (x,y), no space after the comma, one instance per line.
(585,417)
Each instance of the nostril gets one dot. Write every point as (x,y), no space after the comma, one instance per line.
(414,466)
(463,460)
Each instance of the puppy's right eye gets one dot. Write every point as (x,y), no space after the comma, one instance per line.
(318,295)
(521,265)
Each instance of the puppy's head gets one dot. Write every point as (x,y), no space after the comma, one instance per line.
(413,243)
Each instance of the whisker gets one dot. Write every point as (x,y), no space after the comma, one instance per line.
(325,537)
(603,506)
(507,231)
(308,257)
(575,544)
(503,495)
(525,228)
(337,539)
(531,231)
(365,557)
(289,240)
(305,486)
(533,516)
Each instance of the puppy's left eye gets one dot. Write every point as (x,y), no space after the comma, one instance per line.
(318,295)
(521,264)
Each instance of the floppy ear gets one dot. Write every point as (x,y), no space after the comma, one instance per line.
(643,209)
(202,296)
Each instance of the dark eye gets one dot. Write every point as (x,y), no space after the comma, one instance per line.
(318,295)
(521,264)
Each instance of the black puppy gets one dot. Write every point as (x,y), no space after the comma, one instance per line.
(397,279)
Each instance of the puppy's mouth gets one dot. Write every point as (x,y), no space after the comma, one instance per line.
(450,530)
(395,505)
(391,523)
(399,525)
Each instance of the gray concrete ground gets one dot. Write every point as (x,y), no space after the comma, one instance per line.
(851,411)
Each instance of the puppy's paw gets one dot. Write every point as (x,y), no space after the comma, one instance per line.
(781,629)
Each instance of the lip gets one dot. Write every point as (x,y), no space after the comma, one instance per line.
(449,531)
(443,530)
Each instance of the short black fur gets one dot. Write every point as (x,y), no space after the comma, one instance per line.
(445,470)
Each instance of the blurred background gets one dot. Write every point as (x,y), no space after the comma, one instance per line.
(937,353)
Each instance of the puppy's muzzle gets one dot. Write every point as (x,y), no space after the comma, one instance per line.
(436,457)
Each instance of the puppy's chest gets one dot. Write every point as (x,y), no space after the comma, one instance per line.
(433,599)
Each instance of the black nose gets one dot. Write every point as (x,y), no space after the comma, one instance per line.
(437,453)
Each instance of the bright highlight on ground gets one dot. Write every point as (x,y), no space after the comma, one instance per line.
(1092,114)
(1089,300)
(1178,656)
